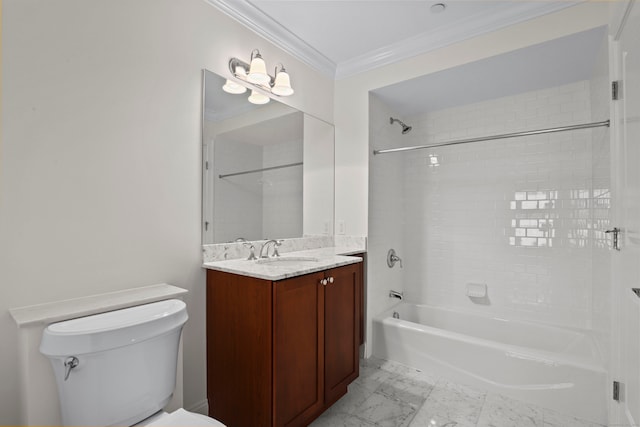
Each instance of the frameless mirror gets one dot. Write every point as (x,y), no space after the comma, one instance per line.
(268,170)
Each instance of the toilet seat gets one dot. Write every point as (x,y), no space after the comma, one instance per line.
(180,418)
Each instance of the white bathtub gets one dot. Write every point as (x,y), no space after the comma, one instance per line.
(556,368)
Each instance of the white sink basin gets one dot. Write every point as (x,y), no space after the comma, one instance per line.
(287,261)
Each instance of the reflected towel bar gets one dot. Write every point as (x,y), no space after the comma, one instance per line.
(259,170)
(605,123)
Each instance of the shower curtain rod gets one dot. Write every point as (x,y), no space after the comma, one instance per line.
(260,170)
(502,136)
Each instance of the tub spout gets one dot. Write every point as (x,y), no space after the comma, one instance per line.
(396,294)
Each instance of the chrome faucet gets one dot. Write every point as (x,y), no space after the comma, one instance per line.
(264,252)
(396,294)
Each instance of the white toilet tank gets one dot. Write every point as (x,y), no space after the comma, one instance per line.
(125,363)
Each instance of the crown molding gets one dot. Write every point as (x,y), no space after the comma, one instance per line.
(262,24)
(490,20)
(478,24)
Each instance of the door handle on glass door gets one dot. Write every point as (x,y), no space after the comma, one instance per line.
(615,231)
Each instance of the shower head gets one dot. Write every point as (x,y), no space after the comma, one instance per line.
(405,128)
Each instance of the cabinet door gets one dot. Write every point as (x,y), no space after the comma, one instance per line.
(341,329)
(298,350)
(239,349)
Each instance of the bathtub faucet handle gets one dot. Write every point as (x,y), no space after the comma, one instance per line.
(392,258)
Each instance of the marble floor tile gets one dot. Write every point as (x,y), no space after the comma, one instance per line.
(386,412)
(555,419)
(356,395)
(373,376)
(331,419)
(450,404)
(412,390)
(389,394)
(501,411)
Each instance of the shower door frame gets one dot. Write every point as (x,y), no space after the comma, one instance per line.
(625,307)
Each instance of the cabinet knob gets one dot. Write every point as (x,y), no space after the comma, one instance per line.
(324,282)
(331,279)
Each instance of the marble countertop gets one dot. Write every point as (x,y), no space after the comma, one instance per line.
(316,260)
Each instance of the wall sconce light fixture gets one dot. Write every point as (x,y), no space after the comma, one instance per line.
(280,85)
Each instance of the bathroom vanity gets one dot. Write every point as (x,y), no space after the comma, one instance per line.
(282,338)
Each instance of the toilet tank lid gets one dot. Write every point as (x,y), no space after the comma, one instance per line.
(113,329)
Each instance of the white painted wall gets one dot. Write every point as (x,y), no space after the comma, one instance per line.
(100,167)
(386,211)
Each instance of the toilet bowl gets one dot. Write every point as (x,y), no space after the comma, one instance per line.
(119,367)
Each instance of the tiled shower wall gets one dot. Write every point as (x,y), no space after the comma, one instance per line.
(523,216)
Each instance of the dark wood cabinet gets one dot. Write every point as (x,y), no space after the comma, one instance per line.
(341,331)
(298,366)
(281,352)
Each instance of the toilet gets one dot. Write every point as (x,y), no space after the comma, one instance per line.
(119,368)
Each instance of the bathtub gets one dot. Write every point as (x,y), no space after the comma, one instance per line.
(555,368)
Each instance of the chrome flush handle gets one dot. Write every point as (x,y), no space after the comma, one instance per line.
(70,363)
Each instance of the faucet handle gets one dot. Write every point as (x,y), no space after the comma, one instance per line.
(275,247)
(252,253)
(392,258)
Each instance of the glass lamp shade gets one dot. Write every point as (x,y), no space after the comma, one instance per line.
(258,71)
(282,84)
(258,98)
(233,87)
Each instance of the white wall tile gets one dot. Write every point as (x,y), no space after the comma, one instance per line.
(516,214)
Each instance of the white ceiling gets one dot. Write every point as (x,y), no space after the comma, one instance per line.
(346,37)
(343,38)
(558,62)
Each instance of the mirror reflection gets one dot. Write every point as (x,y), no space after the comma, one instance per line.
(265,167)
